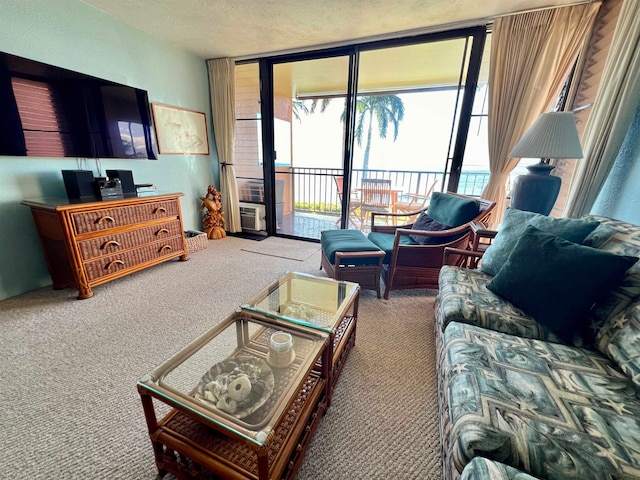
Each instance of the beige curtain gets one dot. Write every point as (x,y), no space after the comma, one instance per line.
(531,56)
(222,86)
(612,112)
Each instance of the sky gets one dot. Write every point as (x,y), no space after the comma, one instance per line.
(422,143)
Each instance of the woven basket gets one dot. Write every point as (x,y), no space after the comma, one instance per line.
(196,240)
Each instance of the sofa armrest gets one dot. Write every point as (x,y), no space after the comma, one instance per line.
(484,469)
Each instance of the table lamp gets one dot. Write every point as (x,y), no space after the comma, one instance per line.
(553,135)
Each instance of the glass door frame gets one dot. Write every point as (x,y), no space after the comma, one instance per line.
(472,64)
(479,37)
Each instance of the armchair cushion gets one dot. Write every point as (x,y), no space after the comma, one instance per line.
(452,209)
(385,242)
(513,226)
(557,281)
(428,224)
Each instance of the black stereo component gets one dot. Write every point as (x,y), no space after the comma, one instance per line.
(126,181)
(78,183)
(107,189)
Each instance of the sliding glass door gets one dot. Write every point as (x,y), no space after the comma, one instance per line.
(394,112)
(248,162)
(309,138)
(409,100)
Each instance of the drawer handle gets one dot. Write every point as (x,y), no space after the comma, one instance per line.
(106,218)
(112,263)
(160,210)
(108,243)
(165,247)
(162,230)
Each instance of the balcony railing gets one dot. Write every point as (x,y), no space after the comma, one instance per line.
(313,190)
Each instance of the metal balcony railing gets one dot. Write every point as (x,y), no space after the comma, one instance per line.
(313,190)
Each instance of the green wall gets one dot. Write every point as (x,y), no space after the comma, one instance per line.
(73,35)
(620,195)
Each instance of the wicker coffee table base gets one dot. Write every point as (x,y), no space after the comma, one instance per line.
(188,449)
(343,339)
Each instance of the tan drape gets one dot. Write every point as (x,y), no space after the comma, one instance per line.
(222,86)
(531,56)
(612,113)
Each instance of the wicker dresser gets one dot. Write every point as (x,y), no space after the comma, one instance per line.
(93,242)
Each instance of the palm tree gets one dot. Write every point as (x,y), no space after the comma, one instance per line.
(388,109)
(300,106)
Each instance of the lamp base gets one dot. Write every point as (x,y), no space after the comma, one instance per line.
(537,191)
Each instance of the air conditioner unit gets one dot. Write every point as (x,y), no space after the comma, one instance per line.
(252,216)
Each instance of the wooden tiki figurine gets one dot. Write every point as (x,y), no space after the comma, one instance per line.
(213,220)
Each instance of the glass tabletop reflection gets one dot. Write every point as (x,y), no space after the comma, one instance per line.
(317,302)
(240,375)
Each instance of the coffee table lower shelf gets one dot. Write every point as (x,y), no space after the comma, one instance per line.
(189,449)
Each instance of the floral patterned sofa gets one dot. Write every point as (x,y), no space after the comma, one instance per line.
(512,391)
(481,468)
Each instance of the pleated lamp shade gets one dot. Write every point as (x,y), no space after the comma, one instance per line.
(553,135)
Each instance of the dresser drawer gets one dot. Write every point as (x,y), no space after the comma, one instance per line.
(103,219)
(114,243)
(91,243)
(127,259)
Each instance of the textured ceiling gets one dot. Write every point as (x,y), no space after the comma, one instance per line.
(242,28)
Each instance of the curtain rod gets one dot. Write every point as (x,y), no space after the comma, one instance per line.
(405,33)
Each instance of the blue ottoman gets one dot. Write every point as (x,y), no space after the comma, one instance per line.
(348,255)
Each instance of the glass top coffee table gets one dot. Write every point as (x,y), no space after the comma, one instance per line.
(324,304)
(242,394)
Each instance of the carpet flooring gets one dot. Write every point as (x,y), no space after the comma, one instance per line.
(284,248)
(68,371)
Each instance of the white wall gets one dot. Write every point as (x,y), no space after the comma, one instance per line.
(73,35)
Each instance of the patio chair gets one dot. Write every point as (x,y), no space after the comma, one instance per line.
(415,204)
(354,202)
(376,197)
(411,263)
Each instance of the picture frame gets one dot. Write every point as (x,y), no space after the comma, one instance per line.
(180,131)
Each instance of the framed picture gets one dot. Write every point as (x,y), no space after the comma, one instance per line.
(180,131)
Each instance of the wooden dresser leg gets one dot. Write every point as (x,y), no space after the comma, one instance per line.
(84,293)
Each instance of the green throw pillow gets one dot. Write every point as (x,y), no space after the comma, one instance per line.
(452,209)
(513,225)
(556,281)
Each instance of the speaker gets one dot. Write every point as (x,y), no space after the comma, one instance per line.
(78,183)
(126,181)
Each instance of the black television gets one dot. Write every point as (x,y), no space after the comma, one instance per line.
(47,111)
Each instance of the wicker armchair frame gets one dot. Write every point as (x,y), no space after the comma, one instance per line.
(418,266)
